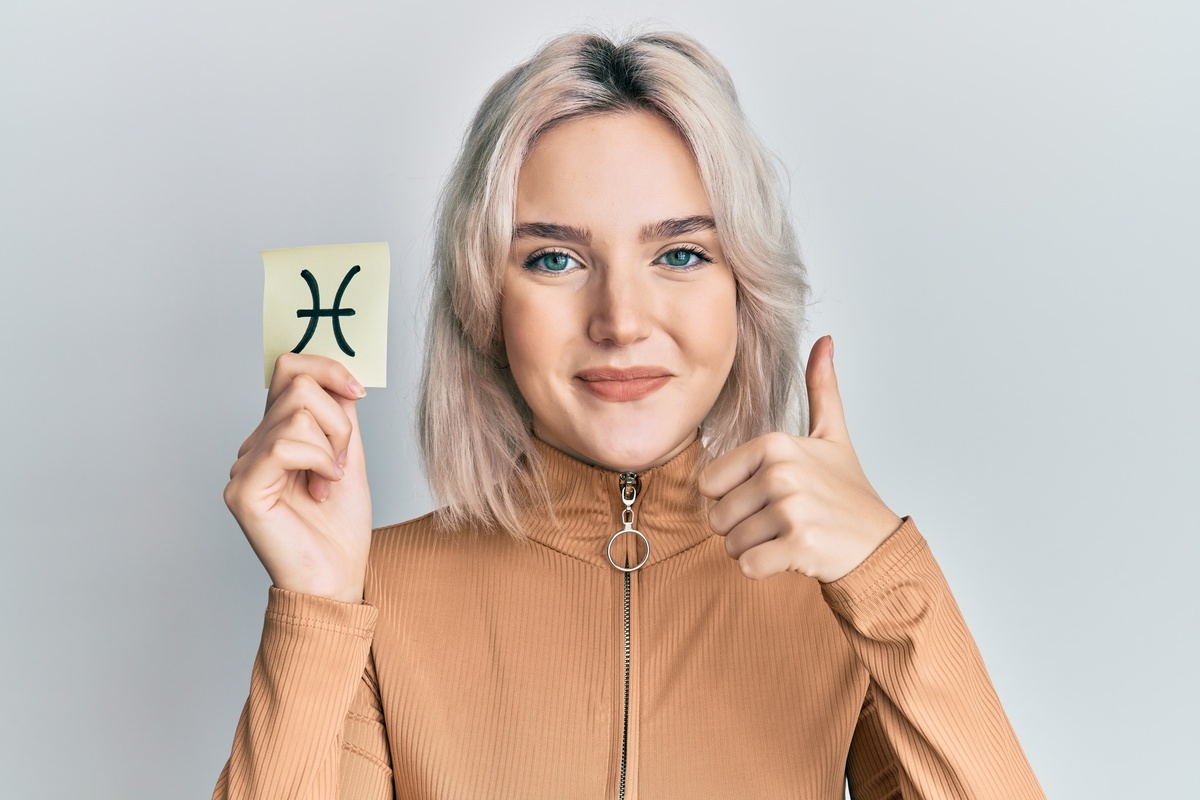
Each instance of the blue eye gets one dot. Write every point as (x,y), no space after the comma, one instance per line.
(553,261)
(683,258)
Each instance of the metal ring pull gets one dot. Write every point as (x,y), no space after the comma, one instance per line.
(645,557)
(629,492)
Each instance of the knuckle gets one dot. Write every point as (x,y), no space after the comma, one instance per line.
(780,479)
(275,449)
(304,383)
(799,541)
(797,535)
(793,512)
(246,446)
(302,418)
(231,495)
(291,427)
(287,363)
(777,444)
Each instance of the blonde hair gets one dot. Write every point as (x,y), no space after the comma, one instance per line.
(474,425)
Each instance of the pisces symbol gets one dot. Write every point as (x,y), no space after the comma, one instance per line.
(316,312)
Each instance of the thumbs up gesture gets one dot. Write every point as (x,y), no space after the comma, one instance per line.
(799,503)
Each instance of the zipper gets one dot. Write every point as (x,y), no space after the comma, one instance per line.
(628,486)
(625,720)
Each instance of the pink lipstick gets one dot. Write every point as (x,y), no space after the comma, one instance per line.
(623,385)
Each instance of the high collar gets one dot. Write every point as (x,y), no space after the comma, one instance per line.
(586,502)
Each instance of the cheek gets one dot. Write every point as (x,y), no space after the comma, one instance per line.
(529,338)
(714,324)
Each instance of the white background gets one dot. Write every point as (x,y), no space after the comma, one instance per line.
(998,208)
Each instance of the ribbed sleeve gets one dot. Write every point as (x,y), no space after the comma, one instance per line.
(311,726)
(931,725)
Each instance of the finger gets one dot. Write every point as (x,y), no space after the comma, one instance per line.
(280,457)
(299,427)
(774,481)
(827,420)
(734,468)
(330,374)
(738,504)
(305,394)
(762,527)
(351,452)
(353,448)
(767,559)
(300,424)
(303,426)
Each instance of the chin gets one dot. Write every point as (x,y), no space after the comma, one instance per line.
(636,454)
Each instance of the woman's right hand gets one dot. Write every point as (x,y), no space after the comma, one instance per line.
(299,486)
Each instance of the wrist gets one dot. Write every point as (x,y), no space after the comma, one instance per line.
(341,591)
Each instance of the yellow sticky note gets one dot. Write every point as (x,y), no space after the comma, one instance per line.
(330,300)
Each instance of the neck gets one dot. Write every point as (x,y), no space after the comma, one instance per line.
(637,465)
(585,505)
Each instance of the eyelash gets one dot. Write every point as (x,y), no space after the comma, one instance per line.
(531,262)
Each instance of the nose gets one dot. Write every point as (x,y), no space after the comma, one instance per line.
(620,308)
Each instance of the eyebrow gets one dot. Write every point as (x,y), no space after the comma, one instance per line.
(670,228)
(550,230)
(664,229)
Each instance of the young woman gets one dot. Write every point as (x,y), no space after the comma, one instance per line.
(640,583)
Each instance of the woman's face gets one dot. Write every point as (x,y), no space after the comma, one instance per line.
(619,311)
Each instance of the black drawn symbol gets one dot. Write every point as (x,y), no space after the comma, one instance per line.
(316,312)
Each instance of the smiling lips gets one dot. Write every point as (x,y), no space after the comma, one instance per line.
(623,385)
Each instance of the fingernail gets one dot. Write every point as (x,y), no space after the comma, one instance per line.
(340,473)
(356,388)
(831,348)
(341,459)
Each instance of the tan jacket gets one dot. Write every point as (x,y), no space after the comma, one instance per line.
(480,666)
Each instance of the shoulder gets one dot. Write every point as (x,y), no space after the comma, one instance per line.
(429,546)
(427,534)
(417,526)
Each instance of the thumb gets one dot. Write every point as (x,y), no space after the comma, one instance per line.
(826,418)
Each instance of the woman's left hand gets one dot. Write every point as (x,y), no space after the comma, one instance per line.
(799,503)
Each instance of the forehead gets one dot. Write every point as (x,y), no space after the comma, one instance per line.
(614,171)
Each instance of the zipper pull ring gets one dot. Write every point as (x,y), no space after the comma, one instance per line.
(629,491)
